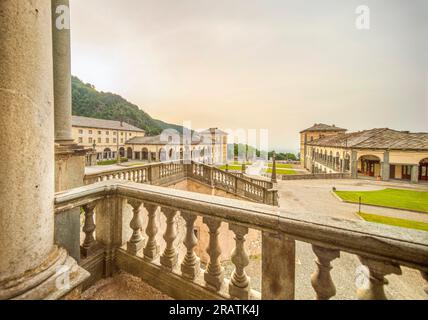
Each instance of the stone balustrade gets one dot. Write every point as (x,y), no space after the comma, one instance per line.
(260,182)
(106,248)
(164,174)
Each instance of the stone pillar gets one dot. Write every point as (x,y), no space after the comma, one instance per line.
(354,164)
(30,264)
(414,177)
(385,166)
(62,70)
(278,275)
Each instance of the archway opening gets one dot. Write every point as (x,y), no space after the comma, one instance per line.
(369,165)
(128,153)
(145,154)
(423,170)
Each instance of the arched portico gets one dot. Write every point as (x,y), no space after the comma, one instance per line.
(145,154)
(122,152)
(107,154)
(369,165)
(423,170)
(129,153)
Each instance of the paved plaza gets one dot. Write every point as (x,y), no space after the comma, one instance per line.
(315,196)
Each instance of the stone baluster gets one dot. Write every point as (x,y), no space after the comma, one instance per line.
(170,255)
(89,228)
(151,251)
(214,275)
(136,242)
(191,265)
(371,285)
(239,286)
(321,278)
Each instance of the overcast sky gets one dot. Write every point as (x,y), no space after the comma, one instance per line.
(259,64)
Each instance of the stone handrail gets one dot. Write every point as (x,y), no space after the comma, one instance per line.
(232,183)
(166,173)
(381,249)
(260,182)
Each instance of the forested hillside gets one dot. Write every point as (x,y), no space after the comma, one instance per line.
(89,102)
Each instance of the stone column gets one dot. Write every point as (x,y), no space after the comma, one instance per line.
(62,70)
(354,165)
(30,264)
(414,177)
(385,166)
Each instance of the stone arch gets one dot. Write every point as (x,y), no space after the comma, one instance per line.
(145,154)
(369,165)
(129,153)
(107,153)
(423,170)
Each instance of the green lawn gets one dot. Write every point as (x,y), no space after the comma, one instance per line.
(109,162)
(394,221)
(281,171)
(231,167)
(281,165)
(393,198)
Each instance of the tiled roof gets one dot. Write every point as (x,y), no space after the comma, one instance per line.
(216,131)
(323,127)
(86,122)
(159,140)
(383,138)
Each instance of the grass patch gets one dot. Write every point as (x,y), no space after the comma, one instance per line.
(110,162)
(403,223)
(392,198)
(281,171)
(281,165)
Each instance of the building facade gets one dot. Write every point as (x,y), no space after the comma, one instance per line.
(317,131)
(209,146)
(382,154)
(107,137)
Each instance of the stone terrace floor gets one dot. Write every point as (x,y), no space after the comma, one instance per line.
(123,286)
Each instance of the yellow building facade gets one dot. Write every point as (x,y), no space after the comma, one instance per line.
(106,137)
(109,138)
(382,154)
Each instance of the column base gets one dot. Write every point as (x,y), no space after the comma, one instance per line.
(55,278)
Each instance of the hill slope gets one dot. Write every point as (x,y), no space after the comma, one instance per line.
(89,102)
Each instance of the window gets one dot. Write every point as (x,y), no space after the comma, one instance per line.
(90,131)
(114,133)
(114,140)
(80,131)
(121,133)
(80,139)
(90,140)
(107,140)
(99,132)
(130,134)
(121,140)
(99,140)
(107,132)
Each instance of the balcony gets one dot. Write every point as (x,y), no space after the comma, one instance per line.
(110,245)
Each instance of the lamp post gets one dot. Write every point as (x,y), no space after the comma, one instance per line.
(273,175)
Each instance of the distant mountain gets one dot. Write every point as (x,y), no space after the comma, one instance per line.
(89,102)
